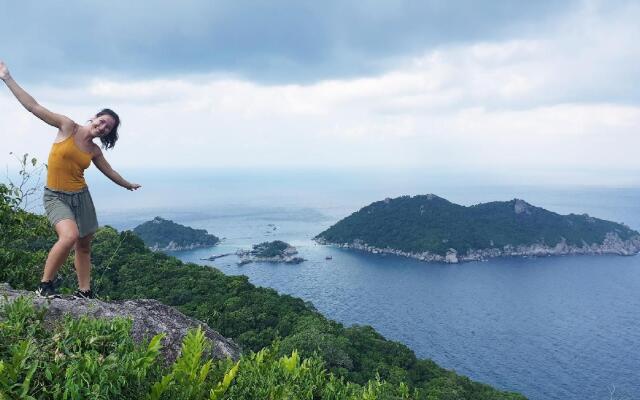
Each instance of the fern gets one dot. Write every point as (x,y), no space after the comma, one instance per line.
(187,374)
(149,358)
(222,387)
(17,373)
(160,387)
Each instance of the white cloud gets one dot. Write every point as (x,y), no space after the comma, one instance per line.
(560,100)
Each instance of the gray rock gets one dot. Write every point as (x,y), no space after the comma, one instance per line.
(612,244)
(173,246)
(451,257)
(521,207)
(149,317)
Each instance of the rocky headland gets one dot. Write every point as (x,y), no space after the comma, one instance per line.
(429,228)
(161,234)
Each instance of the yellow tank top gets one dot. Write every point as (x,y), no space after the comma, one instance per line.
(66,165)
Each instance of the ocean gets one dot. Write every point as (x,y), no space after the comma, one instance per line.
(550,328)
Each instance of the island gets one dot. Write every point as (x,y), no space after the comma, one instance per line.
(276,251)
(430,228)
(161,234)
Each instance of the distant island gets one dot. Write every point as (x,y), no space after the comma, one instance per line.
(161,234)
(430,228)
(275,251)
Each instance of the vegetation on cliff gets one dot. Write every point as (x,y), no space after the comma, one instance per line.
(161,233)
(432,224)
(88,358)
(124,268)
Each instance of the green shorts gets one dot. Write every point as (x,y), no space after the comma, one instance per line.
(76,206)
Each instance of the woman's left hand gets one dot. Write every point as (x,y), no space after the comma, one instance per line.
(4,71)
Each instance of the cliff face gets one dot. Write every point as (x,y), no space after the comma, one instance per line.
(149,317)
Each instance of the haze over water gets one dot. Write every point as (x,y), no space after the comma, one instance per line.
(550,328)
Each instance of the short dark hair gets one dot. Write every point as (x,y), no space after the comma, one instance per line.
(109,140)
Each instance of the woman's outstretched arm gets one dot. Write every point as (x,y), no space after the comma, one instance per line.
(101,163)
(51,118)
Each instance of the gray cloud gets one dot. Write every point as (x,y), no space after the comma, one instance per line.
(266,41)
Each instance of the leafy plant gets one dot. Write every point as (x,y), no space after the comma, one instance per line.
(77,359)
(220,389)
(188,374)
(23,191)
(89,358)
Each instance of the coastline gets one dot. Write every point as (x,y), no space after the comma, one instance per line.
(611,245)
(173,246)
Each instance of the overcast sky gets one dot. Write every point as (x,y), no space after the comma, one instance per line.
(544,90)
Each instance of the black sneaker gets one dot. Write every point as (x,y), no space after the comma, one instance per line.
(82,294)
(47,290)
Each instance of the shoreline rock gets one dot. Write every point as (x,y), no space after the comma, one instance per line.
(173,246)
(612,245)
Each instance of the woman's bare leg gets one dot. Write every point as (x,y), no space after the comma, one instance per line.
(67,231)
(82,262)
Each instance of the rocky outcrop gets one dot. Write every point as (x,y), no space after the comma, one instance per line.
(262,253)
(149,318)
(451,257)
(521,207)
(173,246)
(612,244)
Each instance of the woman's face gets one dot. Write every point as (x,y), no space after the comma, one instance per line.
(102,125)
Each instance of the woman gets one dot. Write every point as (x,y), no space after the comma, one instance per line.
(67,200)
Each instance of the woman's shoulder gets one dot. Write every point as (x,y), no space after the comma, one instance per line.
(67,130)
(96,151)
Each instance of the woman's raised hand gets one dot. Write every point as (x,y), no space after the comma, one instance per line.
(4,71)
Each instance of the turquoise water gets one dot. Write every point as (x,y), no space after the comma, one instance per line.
(550,328)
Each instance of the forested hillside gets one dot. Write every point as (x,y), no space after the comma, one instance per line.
(432,224)
(254,317)
(160,234)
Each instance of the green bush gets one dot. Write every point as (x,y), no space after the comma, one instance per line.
(24,243)
(90,358)
(77,359)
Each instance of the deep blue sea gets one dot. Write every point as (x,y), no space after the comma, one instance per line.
(550,328)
